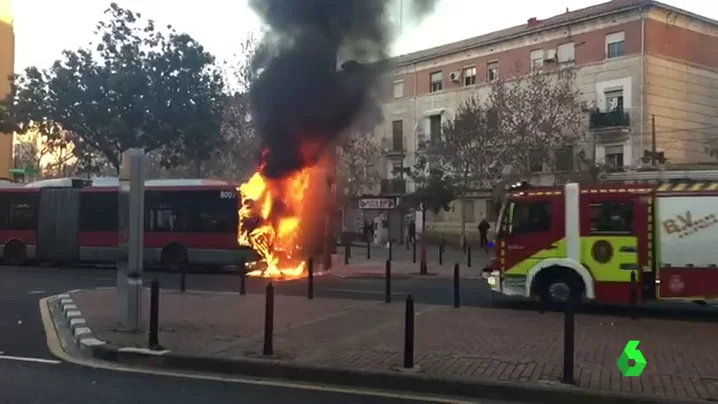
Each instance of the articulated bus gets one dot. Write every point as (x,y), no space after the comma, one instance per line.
(69,220)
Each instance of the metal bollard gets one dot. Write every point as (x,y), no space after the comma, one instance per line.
(310,278)
(242,277)
(409,334)
(154,314)
(441,253)
(268,348)
(368,249)
(391,249)
(464,244)
(413,259)
(633,295)
(387,286)
(346,254)
(183,279)
(568,342)
(468,257)
(457,299)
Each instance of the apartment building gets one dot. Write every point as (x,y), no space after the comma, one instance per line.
(639,64)
(7,62)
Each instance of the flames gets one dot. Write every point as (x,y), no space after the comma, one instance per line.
(270,220)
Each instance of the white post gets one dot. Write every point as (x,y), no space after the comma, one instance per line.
(130,242)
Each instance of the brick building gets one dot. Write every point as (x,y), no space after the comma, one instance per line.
(635,59)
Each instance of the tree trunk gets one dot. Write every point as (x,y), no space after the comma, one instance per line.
(462,211)
(422,268)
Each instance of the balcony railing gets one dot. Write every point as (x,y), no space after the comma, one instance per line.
(609,120)
(393,187)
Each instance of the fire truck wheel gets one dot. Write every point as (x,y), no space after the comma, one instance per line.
(14,253)
(558,284)
(174,257)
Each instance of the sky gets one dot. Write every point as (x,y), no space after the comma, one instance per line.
(44,28)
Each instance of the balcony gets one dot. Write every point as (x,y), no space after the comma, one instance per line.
(619,120)
(394,147)
(393,187)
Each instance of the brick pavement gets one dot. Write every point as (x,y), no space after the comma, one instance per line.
(467,343)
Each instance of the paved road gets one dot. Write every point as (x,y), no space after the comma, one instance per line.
(64,383)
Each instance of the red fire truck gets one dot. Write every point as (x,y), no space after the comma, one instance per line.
(583,242)
(69,220)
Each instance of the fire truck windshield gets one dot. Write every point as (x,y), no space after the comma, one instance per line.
(501,222)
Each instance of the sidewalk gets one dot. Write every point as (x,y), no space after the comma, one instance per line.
(465,345)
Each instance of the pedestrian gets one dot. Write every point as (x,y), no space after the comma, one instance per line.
(483,232)
(412,232)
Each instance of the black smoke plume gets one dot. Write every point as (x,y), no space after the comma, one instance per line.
(300,102)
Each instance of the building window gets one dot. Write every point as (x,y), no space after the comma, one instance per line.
(564,158)
(437,81)
(397,135)
(536,161)
(566,53)
(614,100)
(492,71)
(399,89)
(469,75)
(536,59)
(614,156)
(611,217)
(469,212)
(615,45)
(434,127)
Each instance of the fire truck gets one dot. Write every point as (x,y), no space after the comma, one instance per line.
(583,242)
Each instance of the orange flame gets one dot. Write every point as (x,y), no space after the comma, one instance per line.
(270,219)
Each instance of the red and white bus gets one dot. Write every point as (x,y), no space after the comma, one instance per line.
(70,220)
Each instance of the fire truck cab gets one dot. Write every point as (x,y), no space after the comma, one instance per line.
(583,242)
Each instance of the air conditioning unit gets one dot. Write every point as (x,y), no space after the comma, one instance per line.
(455,77)
(549,55)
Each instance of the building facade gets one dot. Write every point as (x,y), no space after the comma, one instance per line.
(640,65)
(7,68)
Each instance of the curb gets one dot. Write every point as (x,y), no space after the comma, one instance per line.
(413,382)
(81,333)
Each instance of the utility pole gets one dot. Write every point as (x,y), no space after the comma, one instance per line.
(653,140)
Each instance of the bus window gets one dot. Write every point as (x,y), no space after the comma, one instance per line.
(22,211)
(98,211)
(212,213)
(164,211)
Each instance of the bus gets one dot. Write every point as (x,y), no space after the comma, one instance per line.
(70,220)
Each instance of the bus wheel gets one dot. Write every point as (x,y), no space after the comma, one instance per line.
(14,253)
(174,257)
(558,285)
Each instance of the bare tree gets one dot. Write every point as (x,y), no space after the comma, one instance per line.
(465,149)
(51,155)
(538,119)
(530,122)
(357,166)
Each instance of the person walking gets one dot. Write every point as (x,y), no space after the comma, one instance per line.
(484,227)
(412,232)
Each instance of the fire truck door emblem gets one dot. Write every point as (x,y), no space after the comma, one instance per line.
(676,284)
(602,251)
